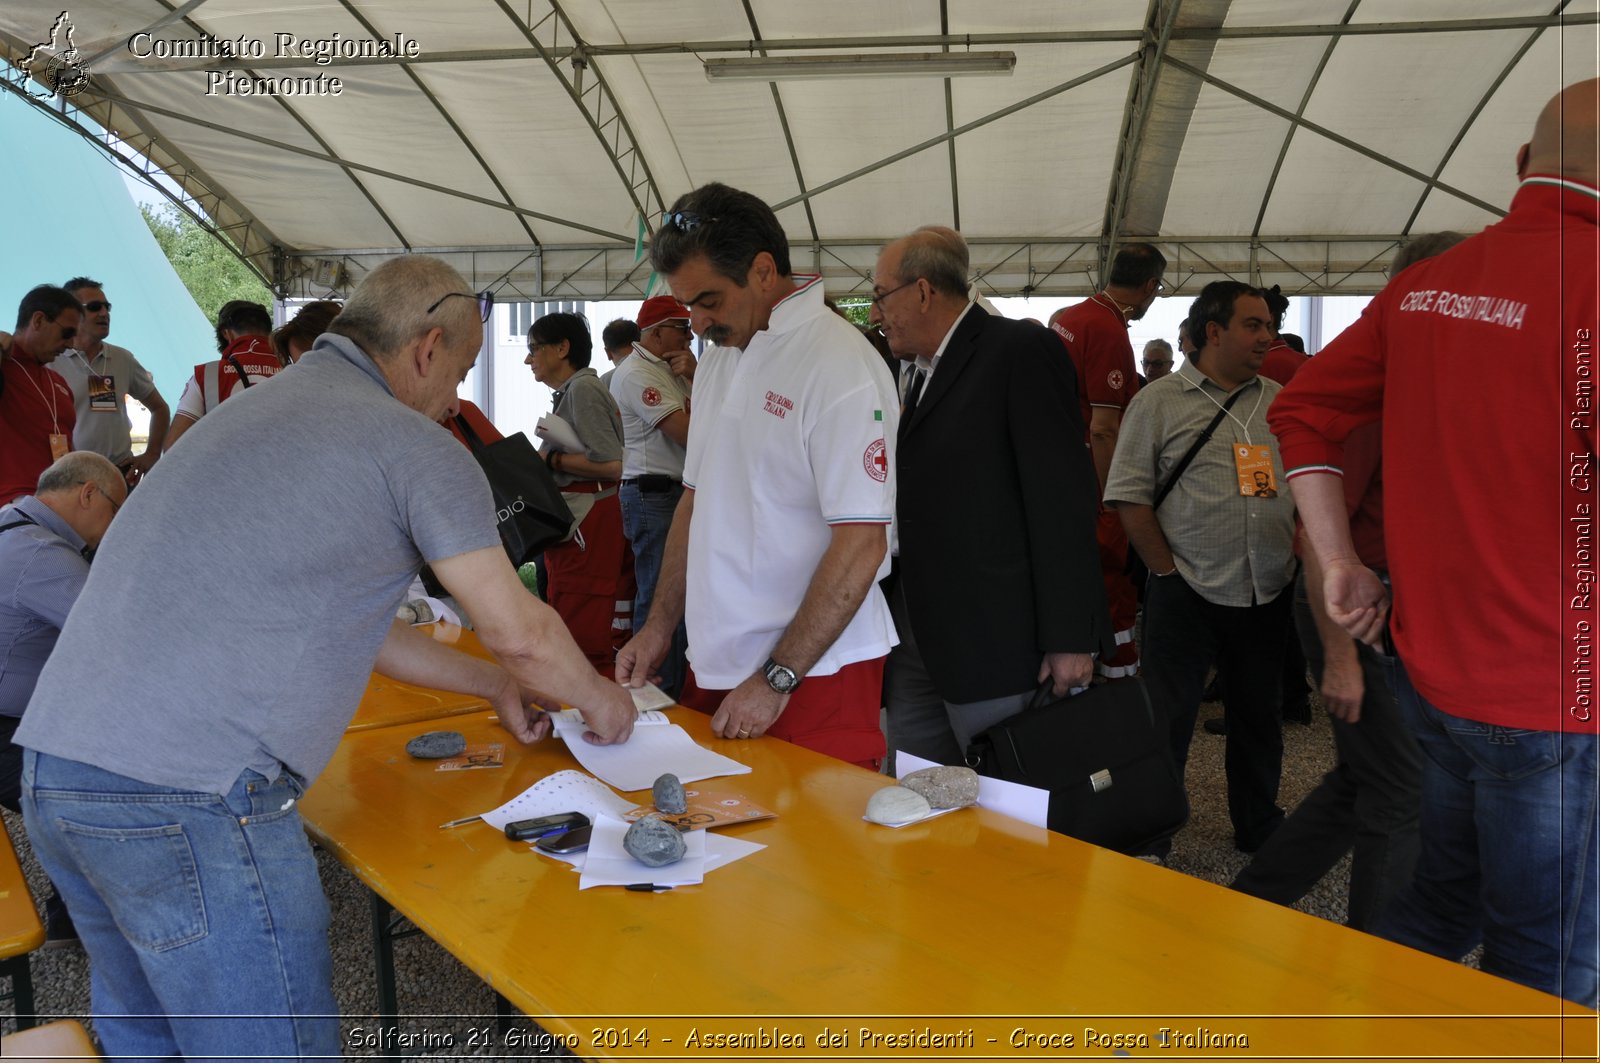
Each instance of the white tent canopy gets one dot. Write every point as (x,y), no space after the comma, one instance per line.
(1296,142)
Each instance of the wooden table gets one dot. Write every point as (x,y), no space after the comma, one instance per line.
(962,923)
(20,931)
(389,702)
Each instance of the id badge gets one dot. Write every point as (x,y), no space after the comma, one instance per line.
(58,446)
(1256,476)
(103,392)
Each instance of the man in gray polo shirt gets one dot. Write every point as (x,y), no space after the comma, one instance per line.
(163,804)
(102,376)
(1208,601)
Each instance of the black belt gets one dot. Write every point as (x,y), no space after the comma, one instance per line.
(654,484)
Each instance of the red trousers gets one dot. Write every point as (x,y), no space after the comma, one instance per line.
(836,715)
(591,587)
(1121,596)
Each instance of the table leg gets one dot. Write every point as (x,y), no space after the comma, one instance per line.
(383,960)
(17,969)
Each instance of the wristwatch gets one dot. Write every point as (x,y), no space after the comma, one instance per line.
(779,678)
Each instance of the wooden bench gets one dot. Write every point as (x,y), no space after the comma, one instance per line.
(20,932)
(58,1040)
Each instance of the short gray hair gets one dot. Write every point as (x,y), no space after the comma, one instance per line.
(938,255)
(79,467)
(389,308)
(1425,246)
(1160,345)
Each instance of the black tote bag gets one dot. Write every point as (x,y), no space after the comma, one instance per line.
(529,509)
(1104,756)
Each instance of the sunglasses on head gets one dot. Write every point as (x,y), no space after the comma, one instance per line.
(97,306)
(685,220)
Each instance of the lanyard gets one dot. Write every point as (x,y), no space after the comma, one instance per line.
(49,400)
(1243,425)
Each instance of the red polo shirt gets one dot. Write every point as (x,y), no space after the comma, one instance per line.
(485,429)
(1480,363)
(1096,334)
(37,402)
(1282,362)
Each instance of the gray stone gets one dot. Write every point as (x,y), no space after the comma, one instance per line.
(654,842)
(435,745)
(669,796)
(894,805)
(945,786)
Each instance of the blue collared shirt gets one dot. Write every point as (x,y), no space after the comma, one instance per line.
(42,569)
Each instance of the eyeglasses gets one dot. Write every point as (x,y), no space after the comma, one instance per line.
(685,220)
(96,306)
(485,303)
(1161,287)
(116,507)
(877,300)
(679,325)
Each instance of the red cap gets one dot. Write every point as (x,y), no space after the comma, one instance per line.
(659,308)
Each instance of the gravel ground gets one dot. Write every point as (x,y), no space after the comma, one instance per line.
(439,996)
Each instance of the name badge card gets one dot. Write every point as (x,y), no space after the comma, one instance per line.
(103,392)
(1257,479)
(58,446)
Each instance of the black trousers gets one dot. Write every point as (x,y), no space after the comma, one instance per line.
(1184,636)
(1371,800)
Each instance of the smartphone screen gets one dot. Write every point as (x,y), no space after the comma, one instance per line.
(572,841)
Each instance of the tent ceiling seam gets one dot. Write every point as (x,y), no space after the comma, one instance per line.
(427,94)
(1299,113)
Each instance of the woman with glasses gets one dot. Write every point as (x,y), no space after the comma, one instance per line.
(591,574)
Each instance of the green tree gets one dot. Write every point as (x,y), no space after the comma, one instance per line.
(855,308)
(206,266)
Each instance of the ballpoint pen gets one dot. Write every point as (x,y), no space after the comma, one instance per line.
(458,822)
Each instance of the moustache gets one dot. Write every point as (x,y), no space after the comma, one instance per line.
(718,334)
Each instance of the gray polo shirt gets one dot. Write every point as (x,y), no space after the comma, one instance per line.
(236,606)
(107,432)
(1232,549)
(588,407)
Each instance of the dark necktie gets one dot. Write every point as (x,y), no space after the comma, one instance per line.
(914,393)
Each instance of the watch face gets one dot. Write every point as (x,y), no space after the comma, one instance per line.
(781,679)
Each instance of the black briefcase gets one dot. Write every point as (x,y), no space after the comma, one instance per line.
(1103,755)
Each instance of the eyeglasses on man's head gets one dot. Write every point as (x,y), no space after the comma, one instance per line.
(485,302)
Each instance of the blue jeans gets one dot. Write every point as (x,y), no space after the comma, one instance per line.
(646,518)
(204,919)
(1509,850)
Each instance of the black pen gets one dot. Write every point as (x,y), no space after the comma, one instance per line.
(646,887)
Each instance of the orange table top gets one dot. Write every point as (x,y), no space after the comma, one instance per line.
(957,925)
(20,929)
(389,702)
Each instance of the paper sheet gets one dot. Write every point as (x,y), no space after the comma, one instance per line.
(649,753)
(1027,803)
(559,434)
(608,864)
(565,791)
(650,697)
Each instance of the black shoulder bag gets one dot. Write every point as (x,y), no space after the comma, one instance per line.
(529,509)
(1205,437)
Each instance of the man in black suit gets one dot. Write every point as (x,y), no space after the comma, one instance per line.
(996,495)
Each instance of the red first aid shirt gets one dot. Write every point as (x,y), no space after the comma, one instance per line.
(37,402)
(1480,364)
(1096,334)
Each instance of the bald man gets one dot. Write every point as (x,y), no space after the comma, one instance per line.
(1480,364)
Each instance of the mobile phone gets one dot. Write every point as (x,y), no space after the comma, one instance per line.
(575,840)
(523,829)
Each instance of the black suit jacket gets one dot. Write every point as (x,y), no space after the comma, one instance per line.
(996,502)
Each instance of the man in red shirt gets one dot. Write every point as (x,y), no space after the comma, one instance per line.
(1489,521)
(244,339)
(1282,361)
(1096,334)
(36,406)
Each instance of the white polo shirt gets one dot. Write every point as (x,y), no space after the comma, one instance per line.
(790,437)
(647,392)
